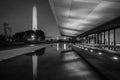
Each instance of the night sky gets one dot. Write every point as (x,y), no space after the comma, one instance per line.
(18,14)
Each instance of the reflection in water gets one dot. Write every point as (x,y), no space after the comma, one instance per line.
(34,60)
(39,52)
(75,67)
(68,55)
(35,55)
(53,65)
(32,45)
(58,48)
(65,46)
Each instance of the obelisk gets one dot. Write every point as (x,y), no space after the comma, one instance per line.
(34,18)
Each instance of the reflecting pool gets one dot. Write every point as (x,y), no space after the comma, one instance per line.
(54,62)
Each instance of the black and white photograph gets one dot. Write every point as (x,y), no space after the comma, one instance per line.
(59,39)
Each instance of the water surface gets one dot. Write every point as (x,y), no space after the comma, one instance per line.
(55,62)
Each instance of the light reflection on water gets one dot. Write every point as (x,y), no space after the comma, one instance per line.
(58,48)
(60,55)
(65,46)
(62,46)
(69,56)
(34,60)
(75,66)
(40,52)
(35,55)
(76,69)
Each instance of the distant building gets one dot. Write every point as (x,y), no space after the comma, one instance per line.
(7,30)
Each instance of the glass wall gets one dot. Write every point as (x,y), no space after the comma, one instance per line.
(102,37)
(106,38)
(118,36)
(111,37)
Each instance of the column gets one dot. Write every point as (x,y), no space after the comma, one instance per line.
(114,39)
(97,38)
(100,39)
(108,39)
(104,38)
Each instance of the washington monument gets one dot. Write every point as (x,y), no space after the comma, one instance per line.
(34,18)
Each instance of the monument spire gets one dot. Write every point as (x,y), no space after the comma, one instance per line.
(34,18)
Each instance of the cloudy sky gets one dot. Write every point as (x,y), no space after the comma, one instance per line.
(18,14)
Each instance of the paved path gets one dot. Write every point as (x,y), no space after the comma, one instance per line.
(6,54)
